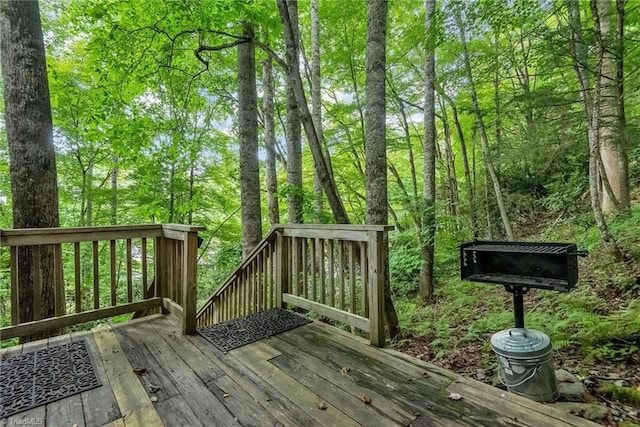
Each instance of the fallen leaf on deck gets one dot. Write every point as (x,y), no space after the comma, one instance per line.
(225,394)
(455,396)
(322,406)
(365,399)
(344,370)
(140,371)
(154,399)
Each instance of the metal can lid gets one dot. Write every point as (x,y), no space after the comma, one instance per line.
(520,343)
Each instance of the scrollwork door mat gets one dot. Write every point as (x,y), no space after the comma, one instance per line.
(235,333)
(34,379)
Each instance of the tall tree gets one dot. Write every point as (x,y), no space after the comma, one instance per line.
(589,101)
(270,141)
(316,104)
(612,149)
(506,222)
(428,232)
(34,186)
(376,142)
(248,130)
(324,173)
(295,200)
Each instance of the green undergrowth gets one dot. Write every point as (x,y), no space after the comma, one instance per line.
(600,316)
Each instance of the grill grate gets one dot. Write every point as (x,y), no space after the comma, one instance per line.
(533,249)
(543,265)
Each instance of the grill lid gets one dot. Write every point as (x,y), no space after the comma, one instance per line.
(531,248)
(520,343)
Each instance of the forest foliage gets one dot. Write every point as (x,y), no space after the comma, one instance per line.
(144,101)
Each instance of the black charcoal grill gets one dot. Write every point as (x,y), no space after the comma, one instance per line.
(520,266)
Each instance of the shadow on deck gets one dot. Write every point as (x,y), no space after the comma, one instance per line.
(312,375)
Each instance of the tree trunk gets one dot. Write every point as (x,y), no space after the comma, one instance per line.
(428,212)
(172,190)
(248,130)
(612,150)
(191,192)
(579,57)
(89,213)
(34,187)
(376,143)
(623,142)
(316,102)
(295,208)
(293,69)
(470,185)
(270,141)
(450,165)
(506,223)
(114,190)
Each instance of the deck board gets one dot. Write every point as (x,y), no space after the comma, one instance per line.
(342,380)
(99,404)
(69,410)
(260,390)
(279,381)
(204,404)
(256,357)
(135,406)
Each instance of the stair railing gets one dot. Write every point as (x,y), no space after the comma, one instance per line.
(334,271)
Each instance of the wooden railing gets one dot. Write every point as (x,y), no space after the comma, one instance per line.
(335,271)
(146,267)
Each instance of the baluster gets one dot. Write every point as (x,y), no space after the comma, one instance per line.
(76,275)
(343,266)
(352,276)
(112,269)
(129,273)
(58,280)
(96,277)
(332,266)
(13,262)
(145,283)
(364,271)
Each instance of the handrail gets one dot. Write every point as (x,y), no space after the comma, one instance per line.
(93,257)
(208,304)
(336,271)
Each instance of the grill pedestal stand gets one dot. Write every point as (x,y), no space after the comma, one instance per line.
(518,304)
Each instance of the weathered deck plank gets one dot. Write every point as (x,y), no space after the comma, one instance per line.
(260,390)
(204,404)
(256,357)
(69,410)
(341,379)
(99,404)
(135,406)
(278,381)
(400,389)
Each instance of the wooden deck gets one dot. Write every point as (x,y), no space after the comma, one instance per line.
(311,376)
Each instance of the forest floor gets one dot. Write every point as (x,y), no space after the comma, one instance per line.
(598,376)
(594,328)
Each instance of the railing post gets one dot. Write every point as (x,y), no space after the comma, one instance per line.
(189,282)
(13,260)
(281,268)
(377,258)
(159,267)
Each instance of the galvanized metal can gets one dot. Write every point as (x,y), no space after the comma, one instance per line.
(525,359)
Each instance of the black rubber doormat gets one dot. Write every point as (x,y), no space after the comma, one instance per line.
(44,376)
(235,333)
